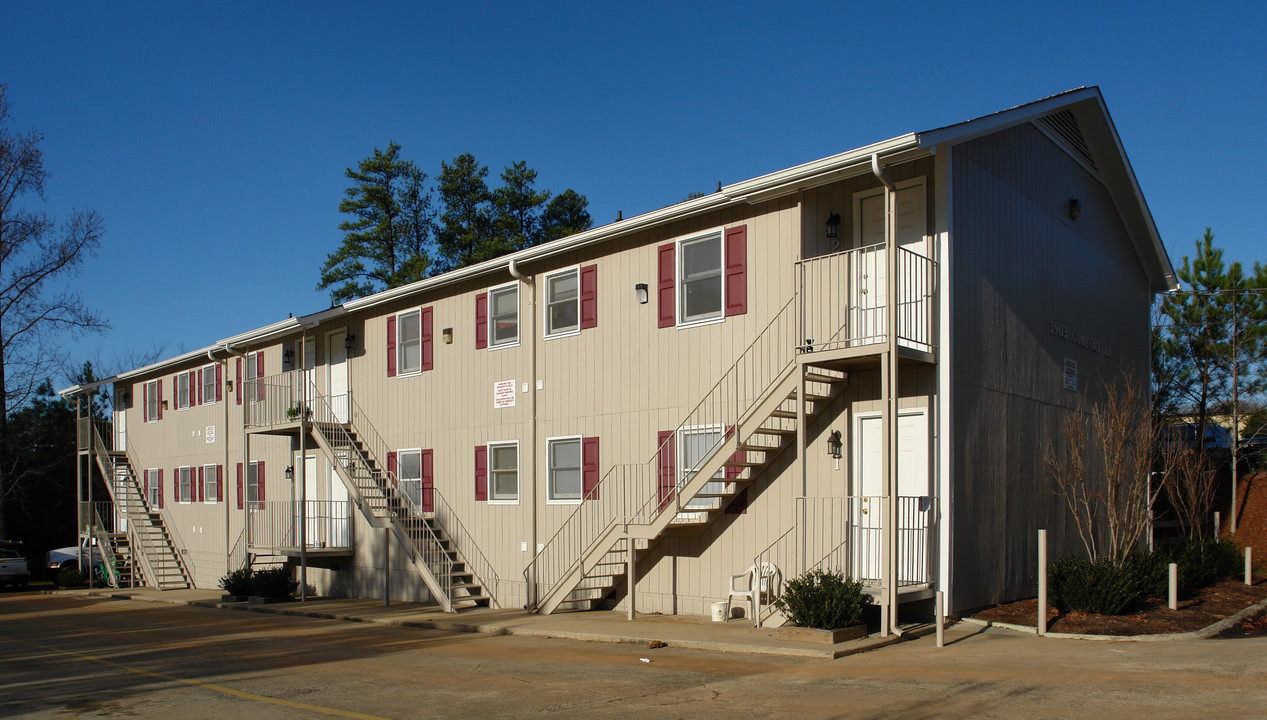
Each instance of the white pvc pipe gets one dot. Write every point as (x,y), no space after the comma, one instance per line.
(1249,566)
(1042,582)
(1174,586)
(941,619)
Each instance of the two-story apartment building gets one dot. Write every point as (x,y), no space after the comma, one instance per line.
(852,363)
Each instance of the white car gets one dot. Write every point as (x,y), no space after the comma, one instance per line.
(72,557)
(13,568)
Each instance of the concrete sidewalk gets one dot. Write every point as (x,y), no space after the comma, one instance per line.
(681,631)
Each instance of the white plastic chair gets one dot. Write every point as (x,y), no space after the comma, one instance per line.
(759,584)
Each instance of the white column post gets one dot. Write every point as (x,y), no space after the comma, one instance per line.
(1249,566)
(1042,582)
(629,572)
(1173,593)
(941,619)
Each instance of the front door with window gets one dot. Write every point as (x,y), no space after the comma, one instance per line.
(337,374)
(868,282)
(867,503)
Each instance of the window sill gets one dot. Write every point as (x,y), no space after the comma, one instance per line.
(563,334)
(504,346)
(703,321)
(550,501)
(504,502)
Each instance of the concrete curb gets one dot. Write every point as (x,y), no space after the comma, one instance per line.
(825,653)
(1202,634)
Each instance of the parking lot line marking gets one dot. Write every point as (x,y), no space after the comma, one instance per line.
(206,685)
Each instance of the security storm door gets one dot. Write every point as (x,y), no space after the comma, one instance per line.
(866,514)
(695,446)
(337,374)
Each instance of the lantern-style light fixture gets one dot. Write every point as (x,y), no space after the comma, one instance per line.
(640,291)
(833,226)
(288,357)
(834,446)
(349,341)
(290,472)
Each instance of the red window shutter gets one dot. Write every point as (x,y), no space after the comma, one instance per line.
(737,270)
(219,383)
(238,385)
(481,472)
(145,401)
(589,467)
(391,466)
(667,293)
(259,481)
(176,390)
(589,296)
(160,487)
(159,384)
(259,375)
(666,461)
(428,340)
(241,490)
(739,505)
(145,485)
(391,346)
(481,321)
(219,483)
(428,483)
(202,484)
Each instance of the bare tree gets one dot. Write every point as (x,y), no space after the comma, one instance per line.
(38,258)
(1103,469)
(1191,485)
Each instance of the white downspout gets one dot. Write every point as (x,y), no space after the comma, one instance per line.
(513,268)
(246,460)
(891,403)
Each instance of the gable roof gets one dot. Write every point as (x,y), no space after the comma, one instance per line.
(1076,119)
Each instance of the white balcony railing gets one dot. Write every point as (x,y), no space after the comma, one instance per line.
(276,524)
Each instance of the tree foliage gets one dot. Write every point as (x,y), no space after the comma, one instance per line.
(386,239)
(39,258)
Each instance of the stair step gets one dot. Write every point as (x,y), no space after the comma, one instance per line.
(742,464)
(821,378)
(809,396)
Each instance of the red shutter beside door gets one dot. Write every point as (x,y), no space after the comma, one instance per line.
(428,340)
(737,270)
(589,468)
(481,472)
(241,490)
(391,466)
(666,293)
(666,461)
(481,321)
(589,296)
(391,346)
(160,487)
(428,483)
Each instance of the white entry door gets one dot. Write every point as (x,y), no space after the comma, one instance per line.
(312,515)
(120,440)
(340,510)
(914,503)
(337,374)
(869,294)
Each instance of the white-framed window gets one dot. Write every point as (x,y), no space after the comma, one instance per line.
(209,384)
(211,489)
(409,474)
(409,342)
(563,458)
(253,483)
(153,404)
(563,303)
(185,390)
(694,446)
(700,263)
(503,316)
(184,484)
(153,488)
(503,472)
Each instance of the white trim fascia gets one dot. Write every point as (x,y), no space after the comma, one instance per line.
(969,129)
(943,462)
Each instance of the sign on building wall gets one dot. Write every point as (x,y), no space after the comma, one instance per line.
(211,434)
(504,394)
(1071,375)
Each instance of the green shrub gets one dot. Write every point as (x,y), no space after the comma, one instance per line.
(1076,584)
(71,577)
(238,582)
(276,582)
(1203,562)
(826,600)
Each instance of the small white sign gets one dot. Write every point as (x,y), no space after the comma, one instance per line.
(211,434)
(1071,375)
(504,394)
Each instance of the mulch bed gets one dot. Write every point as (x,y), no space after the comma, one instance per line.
(1205,607)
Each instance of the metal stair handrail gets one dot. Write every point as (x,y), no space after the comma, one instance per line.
(104,543)
(175,541)
(634,494)
(134,498)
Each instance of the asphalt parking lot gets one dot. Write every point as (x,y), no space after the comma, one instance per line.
(74,656)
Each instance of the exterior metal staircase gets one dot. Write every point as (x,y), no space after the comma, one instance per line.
(160,563)
(440,549)
(751,411)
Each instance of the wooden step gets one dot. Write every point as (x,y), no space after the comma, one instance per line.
(809,397)
(818,377)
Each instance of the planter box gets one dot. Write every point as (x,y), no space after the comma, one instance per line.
(262,600)
(826,637)
(233,598)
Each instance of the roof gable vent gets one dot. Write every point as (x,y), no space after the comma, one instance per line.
(1063,127)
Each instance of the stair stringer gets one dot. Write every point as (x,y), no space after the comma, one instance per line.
(438,592)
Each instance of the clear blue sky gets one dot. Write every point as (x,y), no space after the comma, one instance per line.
(213,137)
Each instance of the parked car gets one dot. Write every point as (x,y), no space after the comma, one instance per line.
(1217,440)
(1253,451)
(64,558)
(13,567)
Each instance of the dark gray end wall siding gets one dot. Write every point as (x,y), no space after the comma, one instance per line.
(1020,265)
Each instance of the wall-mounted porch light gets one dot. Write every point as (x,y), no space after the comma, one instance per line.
(640,291)
(447,335)
(288,357)
(349,341)
(835,447)
(833,226)
(1075,209)
(290,472)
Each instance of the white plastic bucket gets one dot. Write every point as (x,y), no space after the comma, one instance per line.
(719,612)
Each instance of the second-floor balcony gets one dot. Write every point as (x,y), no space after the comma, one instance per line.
(280,527)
